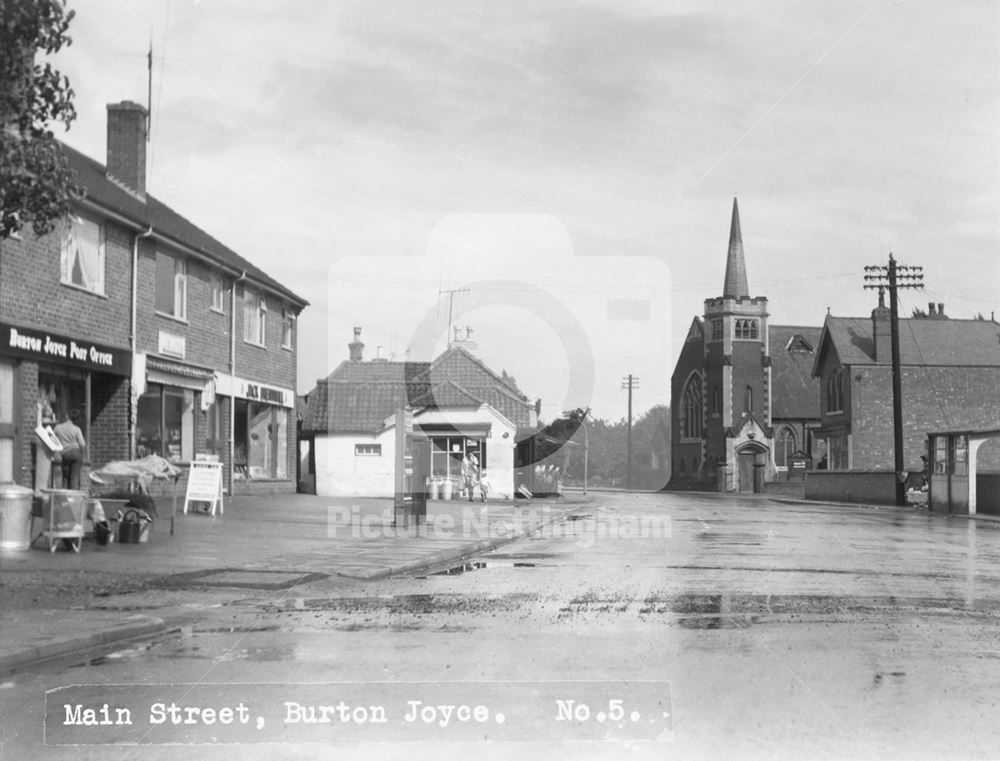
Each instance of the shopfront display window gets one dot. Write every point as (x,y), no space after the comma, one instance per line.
(62,391)
(448,452)
(261,440)
(166,423)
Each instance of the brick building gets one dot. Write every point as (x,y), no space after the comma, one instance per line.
(157,336)
(742,396)
(950,380)
(459,403)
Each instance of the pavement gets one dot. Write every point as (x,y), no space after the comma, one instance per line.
(60,603)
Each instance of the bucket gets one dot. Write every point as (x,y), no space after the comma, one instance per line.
(129,527)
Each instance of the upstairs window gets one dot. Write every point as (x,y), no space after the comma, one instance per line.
(287,329)
(835,391)
(171,285)
(81,255)
(218,292)
(716,330)
(254,317)
(747,329)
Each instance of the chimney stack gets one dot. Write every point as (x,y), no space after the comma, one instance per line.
(882,329)
(127,145)
(941,309)
(356,348)
(930,308)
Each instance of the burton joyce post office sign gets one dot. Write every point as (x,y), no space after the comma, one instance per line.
(44,346)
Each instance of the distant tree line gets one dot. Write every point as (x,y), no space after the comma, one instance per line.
(608,446)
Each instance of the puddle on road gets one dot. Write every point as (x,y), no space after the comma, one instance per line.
(479,565)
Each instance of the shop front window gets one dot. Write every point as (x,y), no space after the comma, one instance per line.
(215,438)
(63,392)
(166,423)
(261,434)
(448,452)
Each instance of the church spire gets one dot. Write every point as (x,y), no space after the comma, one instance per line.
(736,268)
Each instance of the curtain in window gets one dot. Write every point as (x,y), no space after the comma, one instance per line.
(81,255)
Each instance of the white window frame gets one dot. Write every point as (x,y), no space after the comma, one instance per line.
(70,246)
(180,286)
(254,317)
(367,450)
(218,286)
(287,329)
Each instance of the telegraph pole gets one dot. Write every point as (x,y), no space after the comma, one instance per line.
(629,382)
(894,277)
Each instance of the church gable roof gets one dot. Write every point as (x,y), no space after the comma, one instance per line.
(794,391)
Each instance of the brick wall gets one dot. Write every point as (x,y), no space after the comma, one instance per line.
(109,410)
(31,293)
(871,486)
(934,399)
(25,387)
(206,335)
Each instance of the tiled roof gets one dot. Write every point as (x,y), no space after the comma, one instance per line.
(164,221)
(794,391)
(359,396)
(955,343)
(447,394)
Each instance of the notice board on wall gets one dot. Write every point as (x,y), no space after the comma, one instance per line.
(204,485)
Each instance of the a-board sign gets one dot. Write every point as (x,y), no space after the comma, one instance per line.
(204,485)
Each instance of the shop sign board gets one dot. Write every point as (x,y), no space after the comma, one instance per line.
(45,346)
(172,345)
(255,391)
(204,484)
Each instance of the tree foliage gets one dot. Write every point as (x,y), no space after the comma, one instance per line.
(608,445)
(36,184)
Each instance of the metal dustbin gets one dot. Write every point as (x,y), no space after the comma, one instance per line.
(15,517)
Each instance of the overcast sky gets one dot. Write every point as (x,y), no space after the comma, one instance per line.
(572,164)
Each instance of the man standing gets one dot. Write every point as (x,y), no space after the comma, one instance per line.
(73,445)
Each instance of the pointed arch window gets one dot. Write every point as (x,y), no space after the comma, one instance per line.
(784,447)
(748,400)
(692,409)
(747,329)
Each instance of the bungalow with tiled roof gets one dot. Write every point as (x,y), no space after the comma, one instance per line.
(459,403)
(950,379)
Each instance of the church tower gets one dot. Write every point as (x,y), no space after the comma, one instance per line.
(737,378)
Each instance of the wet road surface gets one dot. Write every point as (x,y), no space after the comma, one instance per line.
(777,630)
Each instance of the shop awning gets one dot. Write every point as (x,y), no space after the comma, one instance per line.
(177,374)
